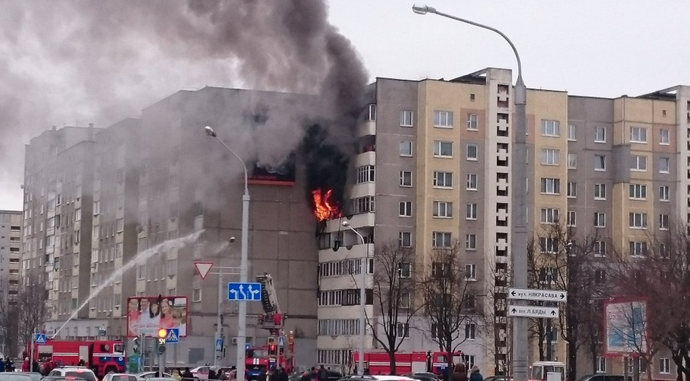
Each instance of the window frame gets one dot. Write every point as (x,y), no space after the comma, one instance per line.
(638,135)
(405,209)
(471,211)
(639,165)
(438,175)
(597,138)
(472,119)
(664,141)
(597,161)
(476,152)
(468,182)
(551,156)
(436,209)
(663,160)
(438,149)
(402,179)
(598,218)
(443,114)
(550,128)
(411,149)
(403,119)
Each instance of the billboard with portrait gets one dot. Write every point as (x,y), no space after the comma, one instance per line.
(147,314)
(625,322)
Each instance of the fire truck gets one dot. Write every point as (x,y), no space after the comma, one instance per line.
(279,348)
(379,363)
(102,356)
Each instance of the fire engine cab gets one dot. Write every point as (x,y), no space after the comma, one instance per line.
(414,362)
(102,356)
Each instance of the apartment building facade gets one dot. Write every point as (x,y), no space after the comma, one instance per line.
(10,263)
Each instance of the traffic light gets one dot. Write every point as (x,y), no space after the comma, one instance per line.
(272,350)
(162,335)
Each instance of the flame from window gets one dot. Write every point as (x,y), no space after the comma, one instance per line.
(323,208)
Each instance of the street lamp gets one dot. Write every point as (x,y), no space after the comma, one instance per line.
(518,242)
(242,319)
(362,301)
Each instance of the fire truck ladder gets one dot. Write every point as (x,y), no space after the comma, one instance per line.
(269,301)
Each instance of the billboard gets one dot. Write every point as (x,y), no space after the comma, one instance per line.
(147,314)
(281,174)
(625,326)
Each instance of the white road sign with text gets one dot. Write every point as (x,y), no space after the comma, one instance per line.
(532,311)
(538,295)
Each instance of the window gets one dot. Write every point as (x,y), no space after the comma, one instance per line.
(572,189)
(600,248)
(638,249)
(365,174)
(472,122)
(470,242)
(470,301)
(405,178)
(470,331)
(470,272)
(405,239)
(550,156)
(405,270)
(663,222)
(638,135)
(599,162)
(406,148)
(548,245)
(572,133)
(172,267)
(550,128)
(403,330)
(442,209)
(665,365)
(638,220)
(364,204)
(120,224)
(96,207)
(549,215)
(406,118)
(664,193)
(472,152)
(600,191)
(601,364)
(443,179)
(471,181)
(665,137)
(443,119)
(599,220)
(443,149)
(471,211)
(638,191)
(196,295)
(638,163)
(664,165)
(600,134)
(550,186)
(405,209)
(371,112)
(572,161)
(440,239)
(572,218)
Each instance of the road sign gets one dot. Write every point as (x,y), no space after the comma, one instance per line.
(40,338)
(173,335)
(281,341)
(219,345)
(538,295)
(532,311)
(203,268)
(244,291)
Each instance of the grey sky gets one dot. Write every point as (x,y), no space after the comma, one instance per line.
(598,48)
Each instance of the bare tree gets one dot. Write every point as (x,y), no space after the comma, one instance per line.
(449,299)
(560,260)
(659,271)
(394,287)
(31,310)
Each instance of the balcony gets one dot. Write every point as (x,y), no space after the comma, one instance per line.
(363,189)
(357,221)
(367,127)
(365,158)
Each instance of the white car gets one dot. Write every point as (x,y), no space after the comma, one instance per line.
(201,372)
(149,375)
(120,377)
(74,371)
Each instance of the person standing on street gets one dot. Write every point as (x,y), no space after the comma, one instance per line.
(459,373)
(475,375)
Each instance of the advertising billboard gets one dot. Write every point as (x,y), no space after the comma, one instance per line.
(625,322)
(281,174)
(147,314)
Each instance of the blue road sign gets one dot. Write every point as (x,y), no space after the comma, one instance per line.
(219,345)
(281,341)
(173,335)
(40,338)
(244,291)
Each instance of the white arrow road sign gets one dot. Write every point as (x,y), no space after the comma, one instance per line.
(531,311)
(203,268)
(538,295)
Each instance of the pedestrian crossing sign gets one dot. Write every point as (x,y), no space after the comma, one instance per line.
(40,338)
(173,335)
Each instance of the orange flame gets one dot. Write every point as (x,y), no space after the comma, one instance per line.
(323,210)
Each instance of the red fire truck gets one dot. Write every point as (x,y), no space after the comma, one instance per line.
(379,363)
(102,356)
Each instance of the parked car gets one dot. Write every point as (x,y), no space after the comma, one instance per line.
(148,375)
(602,377)
(120,377)
(422,376)
(34,375)
(10,376)
(74,371)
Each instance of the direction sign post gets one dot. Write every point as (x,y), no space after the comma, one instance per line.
(533,311)
(244,291)
(537,295)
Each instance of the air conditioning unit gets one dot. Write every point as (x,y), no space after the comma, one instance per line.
(233,341)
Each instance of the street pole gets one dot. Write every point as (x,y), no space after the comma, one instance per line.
(31,356)
(219,321)
(242,319)
(362,302)
(519,207)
